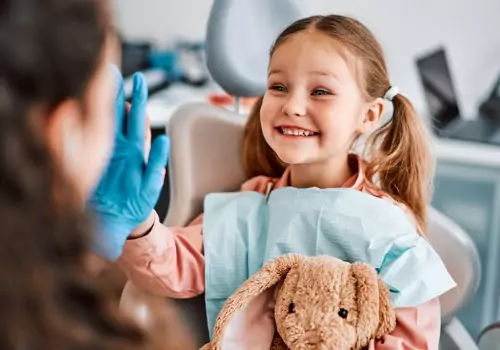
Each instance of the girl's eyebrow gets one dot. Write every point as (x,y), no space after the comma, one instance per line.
(274,71)
(328,74)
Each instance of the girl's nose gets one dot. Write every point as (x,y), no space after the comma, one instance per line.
(295,106)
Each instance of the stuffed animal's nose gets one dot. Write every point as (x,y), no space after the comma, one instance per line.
(312,337)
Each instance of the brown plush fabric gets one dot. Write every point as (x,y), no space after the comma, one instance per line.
(323,303)
(278,343)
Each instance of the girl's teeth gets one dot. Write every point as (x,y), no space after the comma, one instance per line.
(297,132)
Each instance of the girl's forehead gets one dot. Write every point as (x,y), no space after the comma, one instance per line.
(312,40)
(314,53)
(317,52)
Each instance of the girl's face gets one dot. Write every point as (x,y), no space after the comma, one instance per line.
(83,136)
(313,108)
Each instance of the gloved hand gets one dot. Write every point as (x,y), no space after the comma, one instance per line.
(129,189)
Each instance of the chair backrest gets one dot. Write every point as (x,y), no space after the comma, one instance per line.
(206,157)
(239,36)
(459,254)
(489,339)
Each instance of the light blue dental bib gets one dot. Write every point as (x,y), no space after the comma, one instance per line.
(242,231)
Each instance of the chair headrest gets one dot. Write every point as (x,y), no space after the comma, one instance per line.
(240,34)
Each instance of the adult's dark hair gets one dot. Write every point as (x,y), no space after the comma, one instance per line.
(49,52)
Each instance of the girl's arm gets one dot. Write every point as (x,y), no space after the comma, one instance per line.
(168,261)
(417,328)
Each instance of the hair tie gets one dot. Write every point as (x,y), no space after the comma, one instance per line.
(391,93)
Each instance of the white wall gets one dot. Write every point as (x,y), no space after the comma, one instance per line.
(162,20)
(470,31)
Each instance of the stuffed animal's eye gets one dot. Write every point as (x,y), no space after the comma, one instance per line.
(291,308)
(343,313)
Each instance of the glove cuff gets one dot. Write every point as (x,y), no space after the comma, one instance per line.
(110,236)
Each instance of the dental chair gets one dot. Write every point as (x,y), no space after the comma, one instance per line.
(489,339)
(206,158)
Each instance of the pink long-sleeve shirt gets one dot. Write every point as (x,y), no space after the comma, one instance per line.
(169,261)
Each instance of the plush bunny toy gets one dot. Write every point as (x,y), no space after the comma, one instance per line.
(314,302)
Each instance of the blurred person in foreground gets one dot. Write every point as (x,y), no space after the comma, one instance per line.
(61,120)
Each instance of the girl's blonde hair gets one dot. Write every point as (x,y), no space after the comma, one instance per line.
(397,154)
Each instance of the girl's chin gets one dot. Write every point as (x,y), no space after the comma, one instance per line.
(293,158)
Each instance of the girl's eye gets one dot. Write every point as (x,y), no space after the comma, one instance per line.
(278,88)
(320,92)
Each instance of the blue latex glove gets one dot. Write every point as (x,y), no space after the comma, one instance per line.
(129,189)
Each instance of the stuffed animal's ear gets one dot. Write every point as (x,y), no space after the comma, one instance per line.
(387,316)
(247,316)
(367,299)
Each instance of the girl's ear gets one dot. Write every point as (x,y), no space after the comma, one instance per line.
(373,112)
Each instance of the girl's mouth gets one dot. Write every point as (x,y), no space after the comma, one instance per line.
(294,131)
